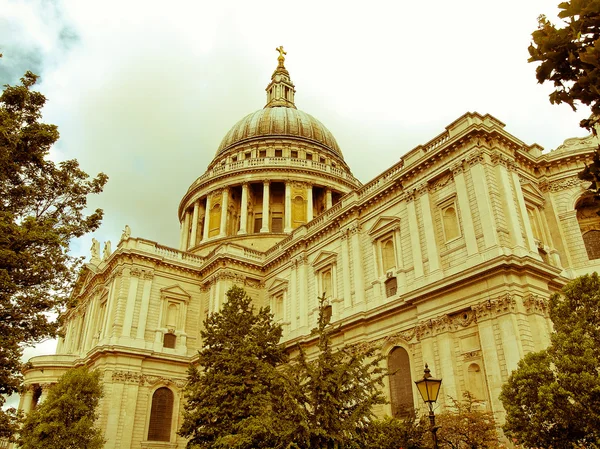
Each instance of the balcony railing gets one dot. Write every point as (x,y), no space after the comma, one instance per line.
(265,162)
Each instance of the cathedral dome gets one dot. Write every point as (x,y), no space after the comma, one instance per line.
(279,121)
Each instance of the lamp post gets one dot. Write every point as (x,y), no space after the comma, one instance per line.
(429,388)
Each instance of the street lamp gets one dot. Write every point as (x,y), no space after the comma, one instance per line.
(429,389)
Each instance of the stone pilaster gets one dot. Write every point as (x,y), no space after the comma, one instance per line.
(309,203)
(265,212)
(224,211)
(192,241)
(206,219)
(462,196)
(244,210)
(288,208)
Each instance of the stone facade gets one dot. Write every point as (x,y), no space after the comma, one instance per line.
(446,258)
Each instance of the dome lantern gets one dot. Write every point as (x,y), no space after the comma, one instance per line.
(280,91)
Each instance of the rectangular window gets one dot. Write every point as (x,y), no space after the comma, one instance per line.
(247,155)
(233,158)
(391,287)
(277,222)
(294,153)
(278,153)
(262,153)
(257,222)
(309,156)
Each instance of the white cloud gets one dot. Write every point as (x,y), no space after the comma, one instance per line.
(144,91)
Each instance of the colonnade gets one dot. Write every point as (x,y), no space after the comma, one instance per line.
(220,213)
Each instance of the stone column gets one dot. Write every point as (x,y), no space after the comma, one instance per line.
(302,288)
(512,216)
(143,317)
(186,231)
(206,218)
(465,209)
(224,210)
(265,212)
(293,295)
(27,399)
(415,241)
(244,210)
(288,208)
(328,199)
(429,231)
(109,306)
(192,241)
(346,270)
(134,275)
(309,203)
(182,235)
(482,197)
(359,282)
(523,210)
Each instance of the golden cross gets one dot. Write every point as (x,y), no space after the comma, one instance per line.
(281,52)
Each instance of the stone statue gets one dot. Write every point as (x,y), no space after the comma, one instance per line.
(107,251)
(126,233)
(95,250)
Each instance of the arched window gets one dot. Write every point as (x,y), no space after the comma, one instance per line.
(475,382)
(387,255)
(450,219)
(214,223)
(172,316)
(298,212)
(161,415)
(327,285)
(401,388)
(589,225)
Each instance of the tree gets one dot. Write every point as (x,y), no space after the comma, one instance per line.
(552,399)
(332,397)
(42,207)
(393,433)
(569,57)
(65,420)
(465,426)
(230,397)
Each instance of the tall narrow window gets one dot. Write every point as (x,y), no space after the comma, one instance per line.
(161,415)
(214,225)
(326,284)
(451,230)
(387,255)
(589,224)
(298,212)
(401,393)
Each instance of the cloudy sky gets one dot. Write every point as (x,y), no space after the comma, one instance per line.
(145,90)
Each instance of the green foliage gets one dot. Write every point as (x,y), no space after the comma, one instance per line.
(552,399)
(393,433)
(42,207)
(332,397)
(65,420)
(230,397)
(569,57)
(466,426)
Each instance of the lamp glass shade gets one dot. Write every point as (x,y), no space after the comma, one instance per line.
(429,388)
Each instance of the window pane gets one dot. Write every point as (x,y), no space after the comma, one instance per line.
(161,415)
(401,393)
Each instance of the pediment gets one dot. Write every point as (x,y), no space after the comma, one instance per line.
(383,225)
(323,259)
(277,285)
(175,291)
(532,193)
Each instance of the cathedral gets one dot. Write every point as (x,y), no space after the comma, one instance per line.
(446,258)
